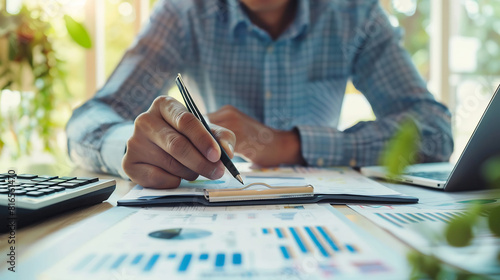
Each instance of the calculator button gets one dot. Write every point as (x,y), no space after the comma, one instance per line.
(17,188)
(27,185)
(67,178)
(47,183)
(30,189)
(35,193)
(88,179)
(69,185)
(80,182)
(47,190)
(41,186)
(15,184)
(4,183)
(7,175)
(39,179)
(4,191)
(57,188)
(20,192)
(57,181)
(26,176)
(48,177)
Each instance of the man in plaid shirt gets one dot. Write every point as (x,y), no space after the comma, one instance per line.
(272,74)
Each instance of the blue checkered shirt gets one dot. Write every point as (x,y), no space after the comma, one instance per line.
(297,80)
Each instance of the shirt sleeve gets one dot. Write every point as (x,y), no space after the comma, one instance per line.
(383,71)
(99,129)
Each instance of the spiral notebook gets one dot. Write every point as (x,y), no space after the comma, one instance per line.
(272,186)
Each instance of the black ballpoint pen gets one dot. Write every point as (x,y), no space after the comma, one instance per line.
(194,110)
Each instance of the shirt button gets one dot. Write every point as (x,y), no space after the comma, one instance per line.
(268,95)
(352,162)
(320,162)
(270,49)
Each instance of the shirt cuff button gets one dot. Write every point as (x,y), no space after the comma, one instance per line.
(320,162)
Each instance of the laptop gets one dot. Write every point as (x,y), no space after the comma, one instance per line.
(484,144)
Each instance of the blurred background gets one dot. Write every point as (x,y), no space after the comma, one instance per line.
(66,49)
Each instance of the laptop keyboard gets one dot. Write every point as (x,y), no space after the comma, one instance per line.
(435,175)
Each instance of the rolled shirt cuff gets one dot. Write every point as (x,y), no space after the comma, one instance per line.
(113,148)
(326,146)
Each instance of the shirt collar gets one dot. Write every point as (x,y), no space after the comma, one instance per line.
(238,17)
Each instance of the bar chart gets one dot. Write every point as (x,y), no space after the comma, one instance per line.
(269,248)
(95,263)
(404,219)
(315,240)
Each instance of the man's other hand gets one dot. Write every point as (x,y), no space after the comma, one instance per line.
(170,144)
(258,143)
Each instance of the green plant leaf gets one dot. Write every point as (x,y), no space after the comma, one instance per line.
(459,232)
(490,171)
(78,32)
(402,149)
(494,220)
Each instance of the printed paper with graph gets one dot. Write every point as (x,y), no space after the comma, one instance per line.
(266,242)
(423,229)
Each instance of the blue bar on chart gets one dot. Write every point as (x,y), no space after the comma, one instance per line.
(426,217)
(436,217)
(171,256)
(279,232)
(387,219)
(265,231)
(203,257)
(406,218)
(86,260)
(118,261)
(396,218)
(329,239)
(220,260)
(237,258)
(415,217)
(151,263)
(137,259)
(101,262)
(444,216)
(285,252)
(351,248)
(298,239)
(185,262)
(316,242)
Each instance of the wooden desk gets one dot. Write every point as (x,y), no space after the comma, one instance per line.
(32,235)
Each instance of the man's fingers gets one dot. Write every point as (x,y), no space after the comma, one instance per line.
(148,152)
(179,118)
(150,176)
(226,138)
(178,146)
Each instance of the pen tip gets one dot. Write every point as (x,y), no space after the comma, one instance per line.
(238,177)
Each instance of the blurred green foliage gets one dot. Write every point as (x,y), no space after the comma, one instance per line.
(402,149)
(31,67)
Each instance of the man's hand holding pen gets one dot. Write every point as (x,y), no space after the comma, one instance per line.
(169,143)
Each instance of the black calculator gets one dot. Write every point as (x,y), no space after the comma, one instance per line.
(28,198)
